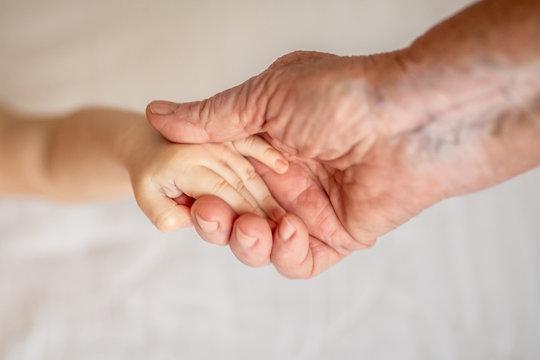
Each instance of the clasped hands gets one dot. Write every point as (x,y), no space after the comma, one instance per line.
(348,179)
(370,142)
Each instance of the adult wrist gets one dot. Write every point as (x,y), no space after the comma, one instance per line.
(467,115)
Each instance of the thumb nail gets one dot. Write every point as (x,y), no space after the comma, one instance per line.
(286,230)
(206,226)
(245,240)
(162,107)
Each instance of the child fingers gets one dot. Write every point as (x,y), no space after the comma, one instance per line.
(165,213)
(226,172)
(210,182)
(256,186)
(257,148)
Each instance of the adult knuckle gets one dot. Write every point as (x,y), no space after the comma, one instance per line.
(206,112)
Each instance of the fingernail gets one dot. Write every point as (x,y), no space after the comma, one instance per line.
(281,166)
(244,240)
(207,226)
(286,230)
(162,107)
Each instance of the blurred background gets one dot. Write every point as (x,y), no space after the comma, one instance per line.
(97,281)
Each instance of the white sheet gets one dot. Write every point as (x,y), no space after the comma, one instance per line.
(461,281)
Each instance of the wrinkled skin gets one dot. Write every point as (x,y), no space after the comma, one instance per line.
(349,178)
(373,140)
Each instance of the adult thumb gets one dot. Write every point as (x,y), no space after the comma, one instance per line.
(223,117)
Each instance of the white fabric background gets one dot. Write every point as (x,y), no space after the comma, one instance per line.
(461,281)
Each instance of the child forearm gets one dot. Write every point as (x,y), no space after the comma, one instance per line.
(76,157)
(98,154)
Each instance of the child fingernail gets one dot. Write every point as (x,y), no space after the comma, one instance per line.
(286,230)
(207,226)
(281,166)
(244,240)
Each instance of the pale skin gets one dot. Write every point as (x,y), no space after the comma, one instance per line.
(374,140)
(97,154)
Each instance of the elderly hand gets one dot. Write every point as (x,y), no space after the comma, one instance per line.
(349,179)
(374,140)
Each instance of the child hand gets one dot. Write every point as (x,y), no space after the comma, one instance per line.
(165,171)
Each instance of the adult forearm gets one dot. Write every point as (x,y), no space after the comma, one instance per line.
(468,96)
(484,59)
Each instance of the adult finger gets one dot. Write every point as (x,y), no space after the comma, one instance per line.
(297,254)
(229,115)
(213,219)
(251,240)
